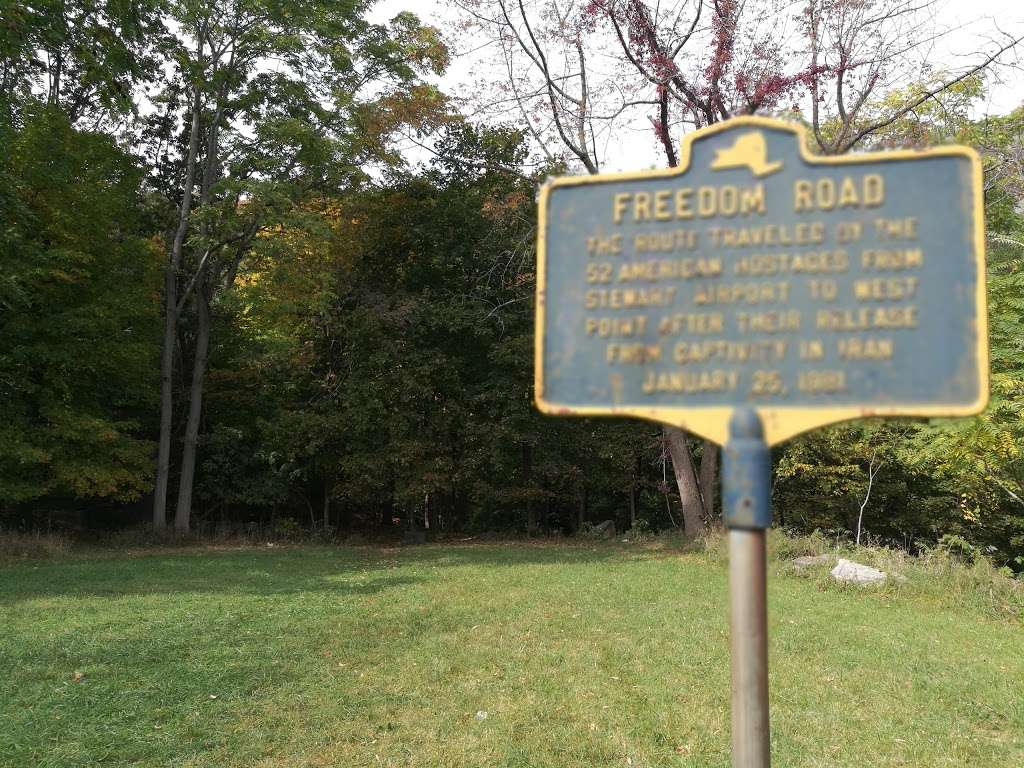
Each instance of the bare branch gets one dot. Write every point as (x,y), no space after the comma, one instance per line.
(944,86)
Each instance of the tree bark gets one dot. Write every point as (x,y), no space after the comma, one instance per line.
(163,456)
(344,515)
(696,503)
(708,471)
(581,512)
(183,514)
(205,289)
(686,481)
(634,491)
(526,462)
(163,453)
(429,517)
(327,503)
(312,513)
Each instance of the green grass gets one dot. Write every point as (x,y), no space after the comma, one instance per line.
(581,656)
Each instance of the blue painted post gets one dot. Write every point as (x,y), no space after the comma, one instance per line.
(747,510)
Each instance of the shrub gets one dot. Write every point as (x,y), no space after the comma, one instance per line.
(784,546)
(142,536)
(639,532)
(288,529)
(31,546)
(959,548)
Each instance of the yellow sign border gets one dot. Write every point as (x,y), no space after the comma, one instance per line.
(780,423)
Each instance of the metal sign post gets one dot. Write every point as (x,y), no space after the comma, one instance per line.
(755,292)
(747,510)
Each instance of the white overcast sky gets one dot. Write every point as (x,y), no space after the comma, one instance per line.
(972,24)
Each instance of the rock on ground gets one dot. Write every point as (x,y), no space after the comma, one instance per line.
(847,570)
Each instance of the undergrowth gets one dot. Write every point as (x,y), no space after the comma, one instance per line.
(32,546)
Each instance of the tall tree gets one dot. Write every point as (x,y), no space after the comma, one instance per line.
(274,100)
(86,58)
(77,319)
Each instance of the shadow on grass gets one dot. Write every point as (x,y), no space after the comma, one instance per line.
(278,571)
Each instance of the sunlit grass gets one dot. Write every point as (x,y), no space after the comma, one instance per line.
(579,656)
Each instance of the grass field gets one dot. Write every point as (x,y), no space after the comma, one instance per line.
(580,656)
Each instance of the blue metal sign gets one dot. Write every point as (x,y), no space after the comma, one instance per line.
(755,275)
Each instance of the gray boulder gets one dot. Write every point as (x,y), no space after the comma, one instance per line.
(855,573)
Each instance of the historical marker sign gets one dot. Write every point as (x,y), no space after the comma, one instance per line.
(756,292)
(811,289)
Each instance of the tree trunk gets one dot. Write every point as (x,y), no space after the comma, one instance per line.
(204,293)
(453,508)
(708,471)
(312,513)
(163,455)
(430,514)
(582,511)
(183,514)
(327,503)
(690,492)
(686,481)
(526,460)
(634,491)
